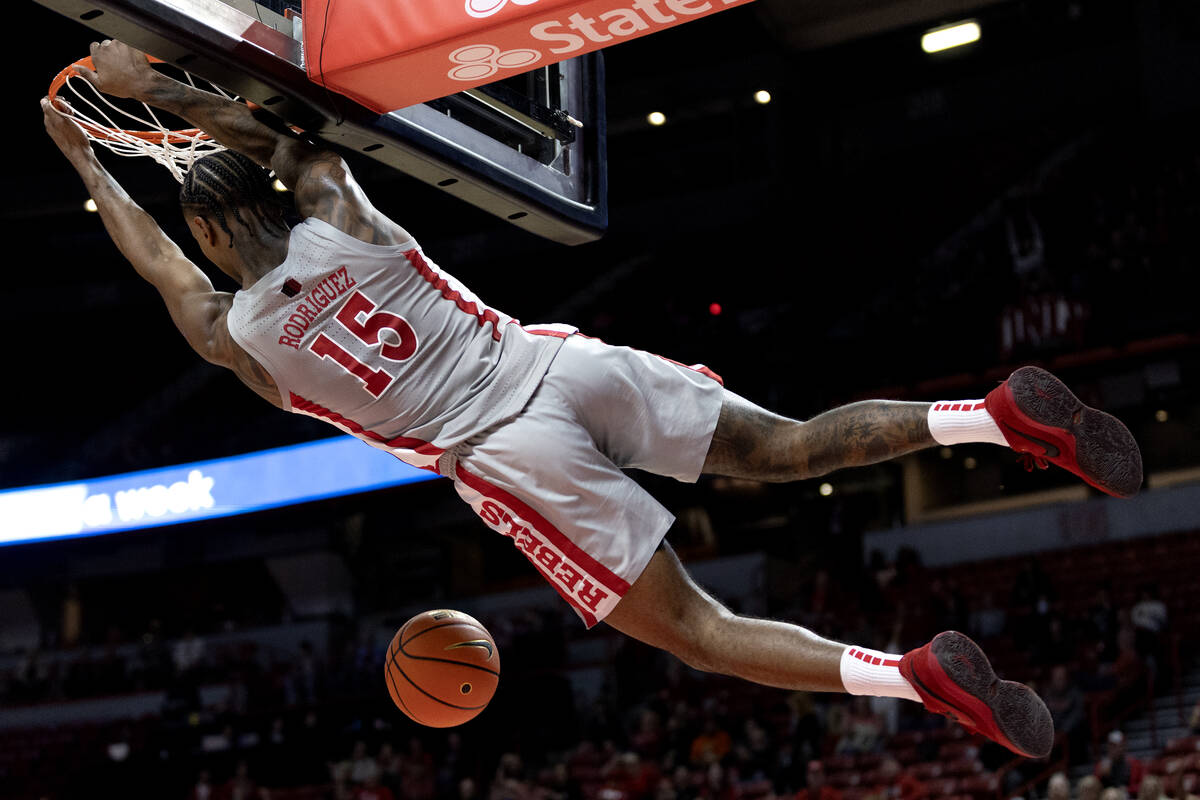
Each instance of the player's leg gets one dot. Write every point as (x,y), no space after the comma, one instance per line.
(950,675)
(1032,412)
(751,442)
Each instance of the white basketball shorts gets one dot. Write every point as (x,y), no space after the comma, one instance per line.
(551,478)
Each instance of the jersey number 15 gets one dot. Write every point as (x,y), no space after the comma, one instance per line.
(367,330)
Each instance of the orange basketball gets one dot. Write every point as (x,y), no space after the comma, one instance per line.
(442,668)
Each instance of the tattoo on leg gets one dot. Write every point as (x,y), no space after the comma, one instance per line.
(753,443)
(864,433)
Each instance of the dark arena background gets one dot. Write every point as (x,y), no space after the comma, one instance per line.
(892,223)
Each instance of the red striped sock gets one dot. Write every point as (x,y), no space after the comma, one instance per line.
(871,672)
(963,421)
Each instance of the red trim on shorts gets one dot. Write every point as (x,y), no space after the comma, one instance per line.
(482,314)
(418,446)
(607,577)
(583,566)
(703,370)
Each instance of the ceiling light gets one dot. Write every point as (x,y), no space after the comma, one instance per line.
(656,118)
(949,36)
(762,97)
(90,205)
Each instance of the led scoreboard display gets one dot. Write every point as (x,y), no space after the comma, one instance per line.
(201,490)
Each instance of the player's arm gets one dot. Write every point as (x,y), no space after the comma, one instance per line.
(197,309)
(321,180)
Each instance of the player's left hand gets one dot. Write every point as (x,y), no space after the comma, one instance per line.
(65,133)
(120,70)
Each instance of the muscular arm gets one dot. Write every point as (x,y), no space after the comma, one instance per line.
(324,187)
(197,309)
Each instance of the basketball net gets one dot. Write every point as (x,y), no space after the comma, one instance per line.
(131,131)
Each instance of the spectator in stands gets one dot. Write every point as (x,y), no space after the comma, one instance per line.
(754,752)
(509,781)
(1149,618)
(892,783)
(863,730)
(417,772)
(712,744)
(987,619)
(717,784)
(817,788)
(1067,708)
(665,790)
(455,762)
(389,768)
(1129,671)
(1114,793)
(1177,784)
(468,789)
(1059,787)
(634,776)
(1088,788)
(372,789)
(647,740)
(188,653)
(241,786)
(1151,788)
(202,789)
(357,767)
(1117,768)
(561,786)
(1194,719)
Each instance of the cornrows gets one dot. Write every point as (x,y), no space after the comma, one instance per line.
(227,182)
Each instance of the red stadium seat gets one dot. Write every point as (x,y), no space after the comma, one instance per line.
(927,770)
(963,767)
(963,748)
(1188,744)
(985,785)
(941,787)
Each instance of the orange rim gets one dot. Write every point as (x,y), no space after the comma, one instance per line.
(104,132)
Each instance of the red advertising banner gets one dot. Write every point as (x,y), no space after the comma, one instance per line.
(391,54)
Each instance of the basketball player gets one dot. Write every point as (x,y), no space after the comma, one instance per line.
(344,318)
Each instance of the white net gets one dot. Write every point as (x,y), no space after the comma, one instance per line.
(135,129)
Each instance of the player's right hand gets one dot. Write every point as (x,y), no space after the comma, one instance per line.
(120,70)
(65,133)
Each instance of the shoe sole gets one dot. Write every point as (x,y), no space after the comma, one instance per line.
(1019,714)
(1105,450)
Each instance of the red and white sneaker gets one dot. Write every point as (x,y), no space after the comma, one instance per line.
(954,678)
(1040,416)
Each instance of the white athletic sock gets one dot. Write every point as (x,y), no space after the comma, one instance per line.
(962,421)
(874,673)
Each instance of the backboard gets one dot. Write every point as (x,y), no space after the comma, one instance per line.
(529,149)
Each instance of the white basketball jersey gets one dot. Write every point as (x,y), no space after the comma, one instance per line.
(381,343)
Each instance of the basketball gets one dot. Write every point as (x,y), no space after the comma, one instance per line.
(442,668)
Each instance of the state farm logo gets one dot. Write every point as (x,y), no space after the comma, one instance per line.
(477,62)
(485,8)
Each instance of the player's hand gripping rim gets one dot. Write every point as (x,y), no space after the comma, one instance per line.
(121,71)
(65,133)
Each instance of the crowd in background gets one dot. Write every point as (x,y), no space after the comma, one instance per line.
(658,730)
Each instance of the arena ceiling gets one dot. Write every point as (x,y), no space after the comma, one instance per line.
(823,23)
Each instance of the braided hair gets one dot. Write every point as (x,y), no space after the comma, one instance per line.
(229,182)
